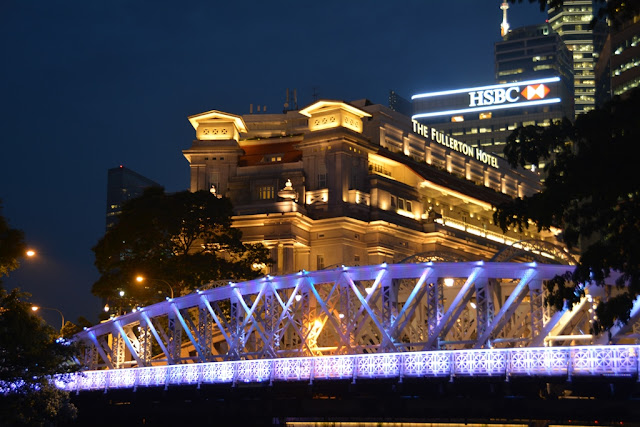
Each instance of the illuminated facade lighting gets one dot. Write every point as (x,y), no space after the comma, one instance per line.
(347,189)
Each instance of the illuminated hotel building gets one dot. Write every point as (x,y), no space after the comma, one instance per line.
(485,116)
(572,22)
(354,184)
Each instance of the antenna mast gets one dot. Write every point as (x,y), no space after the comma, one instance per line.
(504,27)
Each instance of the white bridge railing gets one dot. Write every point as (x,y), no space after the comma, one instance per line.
(586,361)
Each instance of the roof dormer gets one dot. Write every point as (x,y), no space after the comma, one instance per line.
(332,114)
(216,125)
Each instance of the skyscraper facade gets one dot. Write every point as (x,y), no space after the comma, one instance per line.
(572,22)
(618,68)
(533,52)
(123,184)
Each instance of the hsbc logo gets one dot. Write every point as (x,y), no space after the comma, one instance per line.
(507,95)
(533,92)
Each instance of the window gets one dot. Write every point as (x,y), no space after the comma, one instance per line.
(271,158)
(322,180)
(401,203)
(319,262)
(266,192)
(214,179)
(393,202)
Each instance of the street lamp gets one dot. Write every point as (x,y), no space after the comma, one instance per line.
(36,308)
(141,279)
(30,253)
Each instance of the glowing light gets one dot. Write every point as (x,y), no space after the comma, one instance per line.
(258,265)
(121,293)
(470,89)
(368,290)
(448,282)
(31,253)
(298,297)
(527,362)
(489,108)
(532,92)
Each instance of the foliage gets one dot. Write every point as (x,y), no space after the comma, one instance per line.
(70,329)
(184,239)
(12,246)
(592,192)
(30,354)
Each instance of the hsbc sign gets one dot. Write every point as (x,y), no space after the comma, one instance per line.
(510,94)
(487,98)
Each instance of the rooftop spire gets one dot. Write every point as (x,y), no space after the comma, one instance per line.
(504,27)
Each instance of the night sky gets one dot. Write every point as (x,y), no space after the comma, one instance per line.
(90,85)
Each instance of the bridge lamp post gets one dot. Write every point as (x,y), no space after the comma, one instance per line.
(36,308)
(141,279)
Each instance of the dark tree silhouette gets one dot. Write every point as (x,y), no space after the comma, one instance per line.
(12,246)
(592,192)
(182,240)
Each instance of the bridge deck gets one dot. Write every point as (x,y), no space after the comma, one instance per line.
(561,362)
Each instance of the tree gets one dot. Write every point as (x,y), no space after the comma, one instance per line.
(184,239)
(12,246)
(592,192)
(30,354)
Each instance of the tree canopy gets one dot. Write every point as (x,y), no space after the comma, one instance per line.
(592,192)
(183,240)
(12,246)
(30,353)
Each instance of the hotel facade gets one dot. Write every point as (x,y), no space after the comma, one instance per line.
(357,183)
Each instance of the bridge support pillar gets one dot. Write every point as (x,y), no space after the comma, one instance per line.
(485,307)
(537,307)
(389,288)
(205,331)
(174,334)
(435,306)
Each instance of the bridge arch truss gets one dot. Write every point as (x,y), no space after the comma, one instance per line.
(377,309)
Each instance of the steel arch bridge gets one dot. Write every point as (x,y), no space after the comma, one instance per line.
(381,321)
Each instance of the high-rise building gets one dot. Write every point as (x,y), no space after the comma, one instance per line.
(400,104)
(123,184)
(618,67)
(572,22)
(485,116)
(355,184)
(533,52)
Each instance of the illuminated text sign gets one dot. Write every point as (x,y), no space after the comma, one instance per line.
(435,135)
(487,98)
